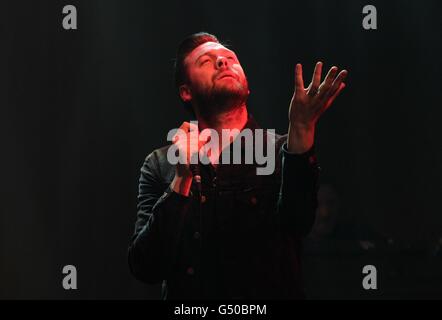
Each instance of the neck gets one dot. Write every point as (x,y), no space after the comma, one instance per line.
(233,119)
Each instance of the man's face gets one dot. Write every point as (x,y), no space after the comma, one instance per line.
(215,77)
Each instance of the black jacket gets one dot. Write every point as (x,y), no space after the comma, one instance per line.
(245,244)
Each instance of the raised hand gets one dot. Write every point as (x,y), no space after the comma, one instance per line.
(308,104)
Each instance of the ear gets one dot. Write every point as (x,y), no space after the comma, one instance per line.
(185,93)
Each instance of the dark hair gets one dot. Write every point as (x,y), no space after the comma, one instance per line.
(185,47)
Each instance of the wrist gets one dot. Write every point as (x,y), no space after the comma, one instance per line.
(301,127)
(300,138)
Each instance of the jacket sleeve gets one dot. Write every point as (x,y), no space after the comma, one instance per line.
(298,195)
(159,221)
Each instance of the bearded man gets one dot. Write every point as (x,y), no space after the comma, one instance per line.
(231,233)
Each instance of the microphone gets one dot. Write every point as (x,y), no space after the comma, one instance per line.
(195,169)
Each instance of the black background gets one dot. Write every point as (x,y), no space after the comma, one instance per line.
(80,110)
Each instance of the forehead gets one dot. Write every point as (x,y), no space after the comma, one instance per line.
(207,47)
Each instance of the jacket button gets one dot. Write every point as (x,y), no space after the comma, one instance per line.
(196,235)
(190,271)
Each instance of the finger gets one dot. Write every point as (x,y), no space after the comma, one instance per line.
(185,126)
(193,127)
(316,79)
(333,97)
(337,83)
(203,146)
(203,140)
(188,126)
(299,81)
(325,86)
(180,134)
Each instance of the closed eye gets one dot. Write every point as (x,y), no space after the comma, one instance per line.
(205,61)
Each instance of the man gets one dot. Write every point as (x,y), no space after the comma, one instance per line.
(241,238)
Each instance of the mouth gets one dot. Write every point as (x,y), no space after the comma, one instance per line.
(226,75)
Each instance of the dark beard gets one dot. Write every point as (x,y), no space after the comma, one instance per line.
(219,100)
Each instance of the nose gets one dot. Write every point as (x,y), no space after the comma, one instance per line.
(221,62)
